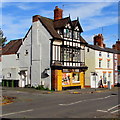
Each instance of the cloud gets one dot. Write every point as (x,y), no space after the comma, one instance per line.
(85,10)
(24,7)
(96,23)
(15,29)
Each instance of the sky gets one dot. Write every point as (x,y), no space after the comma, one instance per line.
(95,17)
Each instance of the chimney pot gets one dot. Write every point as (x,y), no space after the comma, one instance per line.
(58,13)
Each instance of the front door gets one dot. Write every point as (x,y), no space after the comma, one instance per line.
(93,81)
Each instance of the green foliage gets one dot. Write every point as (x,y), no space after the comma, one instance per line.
(2,38)
(41,87)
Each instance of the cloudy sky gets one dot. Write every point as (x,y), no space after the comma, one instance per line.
(95,17)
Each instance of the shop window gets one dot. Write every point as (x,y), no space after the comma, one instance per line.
(75,78)
(66,79)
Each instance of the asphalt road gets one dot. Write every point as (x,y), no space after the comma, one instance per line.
(36,105)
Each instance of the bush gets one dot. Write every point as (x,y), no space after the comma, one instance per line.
(41,87)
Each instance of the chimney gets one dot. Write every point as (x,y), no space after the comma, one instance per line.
(58,13)
(104,45)
(98,40)
(35,18)
(114,47)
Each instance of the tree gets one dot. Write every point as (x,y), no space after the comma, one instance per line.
(2,38)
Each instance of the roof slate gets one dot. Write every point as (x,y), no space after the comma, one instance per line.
(12,47)
(110,50)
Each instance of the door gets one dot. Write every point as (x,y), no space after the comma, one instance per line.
(93,81)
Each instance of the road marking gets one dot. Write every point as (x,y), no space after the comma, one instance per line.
(85,100)
(102,111)
(108,110)
(71,103)
(16,112)
(115,111)
(113,107)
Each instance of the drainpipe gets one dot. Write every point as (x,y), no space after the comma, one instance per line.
(31,56)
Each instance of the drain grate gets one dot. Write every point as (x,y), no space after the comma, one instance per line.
(113,94)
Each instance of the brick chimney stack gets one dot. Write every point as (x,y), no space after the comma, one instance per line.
(35,18)
(58,13)
(98,40)
(117,45)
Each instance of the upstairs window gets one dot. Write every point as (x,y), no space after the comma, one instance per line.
(108,64)
(66,33)
(88,50)
(108,55)
(100,63)
(70,33)
(17,55)
(100,54)
(75,35)
(26,52)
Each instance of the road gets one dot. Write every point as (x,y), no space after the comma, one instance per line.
(61,105)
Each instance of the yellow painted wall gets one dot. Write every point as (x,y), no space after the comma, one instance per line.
(59,80)
(82,79)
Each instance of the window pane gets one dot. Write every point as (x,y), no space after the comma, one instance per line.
(66,78)
(75,78)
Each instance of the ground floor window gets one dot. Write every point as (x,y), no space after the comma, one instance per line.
(66,78)
(75,78)
(104,78)
(70,78)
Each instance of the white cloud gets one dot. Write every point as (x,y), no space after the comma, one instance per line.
(85,10)
(100,22)
(15,29)
(25,7)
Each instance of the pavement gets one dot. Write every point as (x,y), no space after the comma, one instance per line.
(71,91)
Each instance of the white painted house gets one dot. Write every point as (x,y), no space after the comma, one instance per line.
(100,60)
(51,54)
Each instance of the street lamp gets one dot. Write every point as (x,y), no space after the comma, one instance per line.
(95,74)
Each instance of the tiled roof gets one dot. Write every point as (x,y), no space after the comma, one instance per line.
(12,47)
(110,50)
(82,40)
(52,25)
(75,23)
(48,24)
(61,22)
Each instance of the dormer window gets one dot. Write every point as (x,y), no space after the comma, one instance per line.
(75,34)
(70,33)
(78,35)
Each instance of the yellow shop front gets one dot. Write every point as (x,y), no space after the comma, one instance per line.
(67,79)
